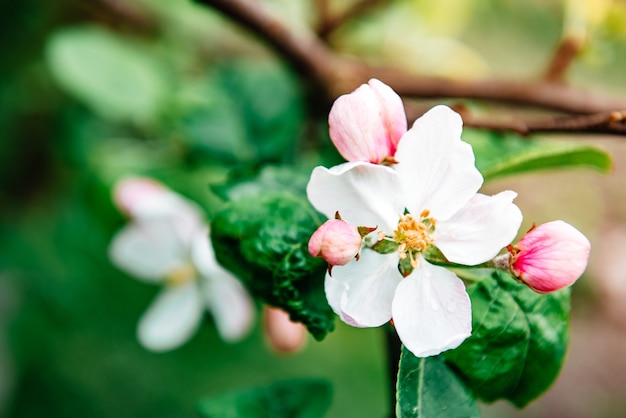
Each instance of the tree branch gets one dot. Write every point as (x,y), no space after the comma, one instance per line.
(330,23)
(563,57)
(613,123)
(338,75)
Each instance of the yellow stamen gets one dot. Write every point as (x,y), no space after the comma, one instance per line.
(182,274)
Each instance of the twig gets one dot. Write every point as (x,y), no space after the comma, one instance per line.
(329,23)
(337,75)
(563,57)
(613,123)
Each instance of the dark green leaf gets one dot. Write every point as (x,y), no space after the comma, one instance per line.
(427,388)
(518,341)
(263,239)
(296,398)
(114,75)
(276,178)
(499,155)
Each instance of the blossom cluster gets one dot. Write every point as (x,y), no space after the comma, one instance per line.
(419,188)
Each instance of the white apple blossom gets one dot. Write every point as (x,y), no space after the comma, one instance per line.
(167,242)
(427,198)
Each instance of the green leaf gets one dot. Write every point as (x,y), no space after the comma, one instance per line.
(499,155)
(427,388)
(263,238)
(276,178)
(296,398)
(112,74)
(518,341)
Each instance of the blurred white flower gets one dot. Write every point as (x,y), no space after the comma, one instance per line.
(167,242)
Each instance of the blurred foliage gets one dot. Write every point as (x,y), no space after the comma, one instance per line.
(284,399)
(91,92)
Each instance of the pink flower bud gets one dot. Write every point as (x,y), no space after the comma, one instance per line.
(336,241)
(131,190)
(550,257)
(283,335)
(367,124)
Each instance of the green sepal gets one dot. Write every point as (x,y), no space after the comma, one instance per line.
(427,388)
(518,342)
(263,239)
(294,398)
(405,267)
(385,247)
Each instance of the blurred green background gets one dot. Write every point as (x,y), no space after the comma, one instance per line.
(90,92)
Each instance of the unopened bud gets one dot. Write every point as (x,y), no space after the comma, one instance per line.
(367,124)
(336,241)
(550,257)
(283,335)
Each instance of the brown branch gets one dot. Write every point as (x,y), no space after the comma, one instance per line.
(337,75)
(613,123)
(329,23)
(564,55)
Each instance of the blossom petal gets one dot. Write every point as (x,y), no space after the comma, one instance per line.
(184,215)
(172,318)
(228,300)
(230,305)
(367,124)
(479,231)
(437,168)
(364,194)
(362,291)
(147,250)
(431,310)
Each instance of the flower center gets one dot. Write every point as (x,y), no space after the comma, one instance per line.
(414,235)
(182,274)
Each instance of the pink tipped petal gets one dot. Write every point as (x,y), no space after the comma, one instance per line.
(364,125)
(131,190)
(336,241)
(148,250)
(363,193)
(392,112)
(437,168)
(368,286)
(431,310)
(184,215)
(172,318)
(551,256)
(230,305)
(478,231)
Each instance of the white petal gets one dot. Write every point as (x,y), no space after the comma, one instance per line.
(230,304)
(431,310)
(172,318)
(364,194)
(480,230)
(362,291)
(224,295)
(148,250)
(436,167)
(203,256)
(184,215)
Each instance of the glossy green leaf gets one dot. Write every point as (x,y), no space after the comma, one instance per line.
(263,238)
(498,155)
(296,398)
(518,343)
(427,388)
(112,74)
